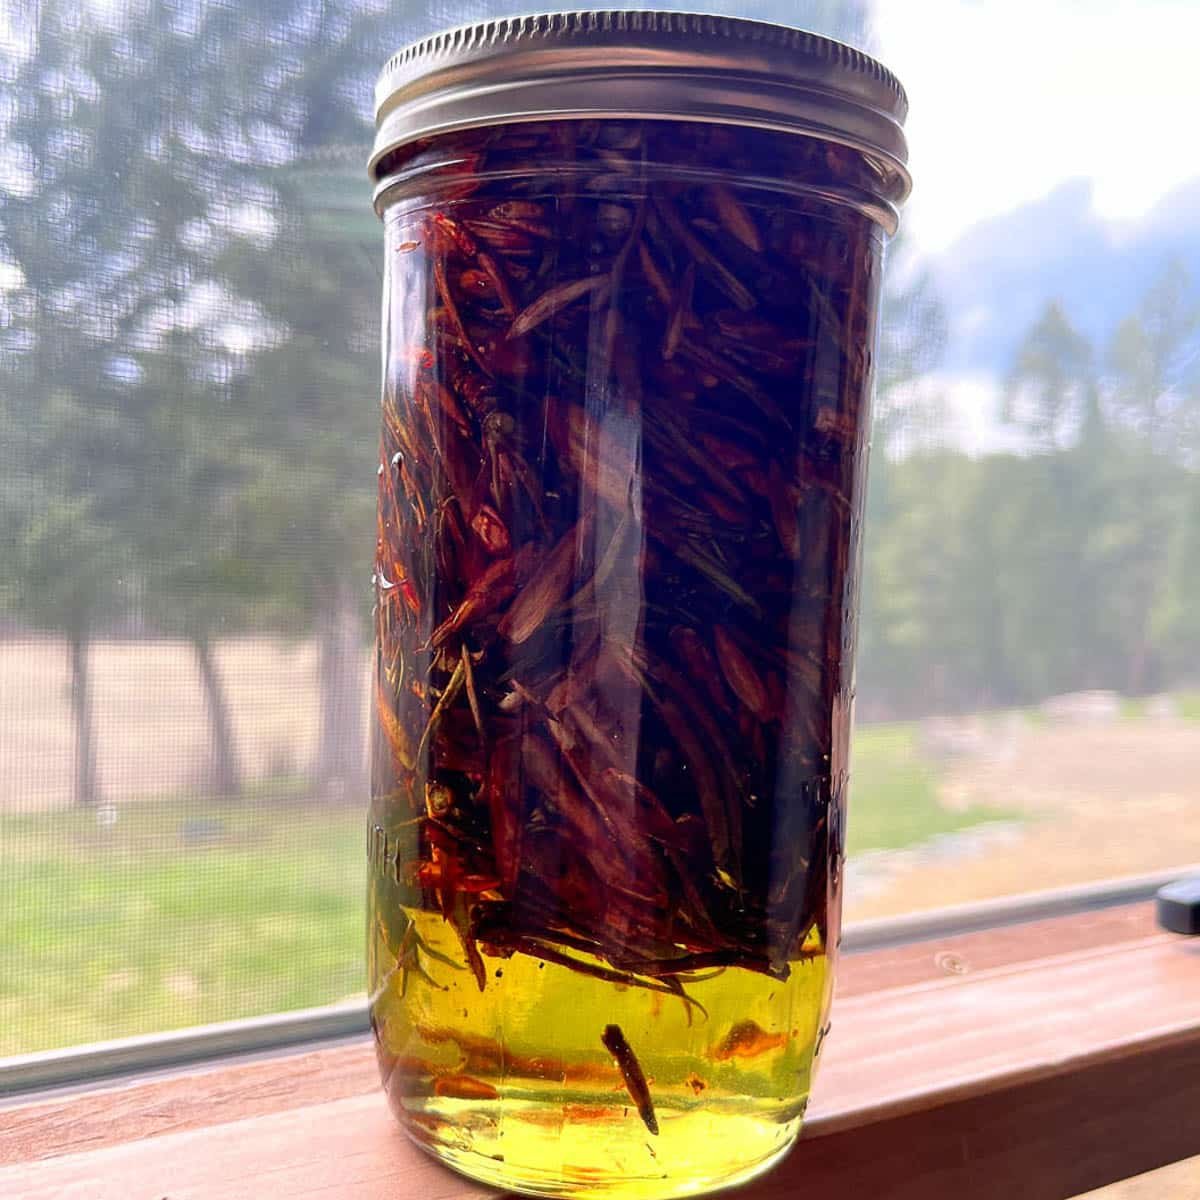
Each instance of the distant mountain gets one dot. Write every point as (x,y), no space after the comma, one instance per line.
(995,280)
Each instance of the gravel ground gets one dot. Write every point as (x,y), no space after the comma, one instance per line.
(1102,802)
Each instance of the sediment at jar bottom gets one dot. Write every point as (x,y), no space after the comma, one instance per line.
(524,1086)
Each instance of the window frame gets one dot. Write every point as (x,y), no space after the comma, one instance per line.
(1091,1095)
(83,1065)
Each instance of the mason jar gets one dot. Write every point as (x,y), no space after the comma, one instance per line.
(631,288)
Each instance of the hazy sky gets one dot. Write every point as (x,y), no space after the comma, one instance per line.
(1011,97)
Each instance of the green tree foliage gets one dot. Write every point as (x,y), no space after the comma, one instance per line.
(1175,619)
(1073,563)
(130,173)
(1052,386)
(1155,404)
(307,513)
(194,416)
(185,532)
(911,339)
(90,221)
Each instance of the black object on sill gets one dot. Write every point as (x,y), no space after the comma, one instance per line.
(1179,906)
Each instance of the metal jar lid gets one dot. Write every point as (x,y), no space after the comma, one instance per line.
(632,64)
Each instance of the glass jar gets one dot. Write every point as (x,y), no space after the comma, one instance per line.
(629,321)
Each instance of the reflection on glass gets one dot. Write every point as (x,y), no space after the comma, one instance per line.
(189,356)
(620,485)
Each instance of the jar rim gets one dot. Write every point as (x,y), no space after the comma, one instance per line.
(643,64)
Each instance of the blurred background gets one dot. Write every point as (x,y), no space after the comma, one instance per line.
(189,294)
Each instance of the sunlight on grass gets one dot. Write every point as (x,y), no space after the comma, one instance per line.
(893,793)
(177,915)
(183,913)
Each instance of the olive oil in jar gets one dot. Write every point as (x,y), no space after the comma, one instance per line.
(515,1085)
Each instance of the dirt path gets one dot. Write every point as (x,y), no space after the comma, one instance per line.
(151,727)
(1102,802)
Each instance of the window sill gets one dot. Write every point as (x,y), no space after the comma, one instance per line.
(1044,1059)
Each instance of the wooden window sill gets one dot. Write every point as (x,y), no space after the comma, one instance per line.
(1042,1061)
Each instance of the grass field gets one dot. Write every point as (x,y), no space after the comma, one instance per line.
(894,794)
(176,915)
(164,913)
(181,913)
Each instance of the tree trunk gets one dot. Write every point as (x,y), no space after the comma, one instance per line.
(225,772)
(339,770)
(86,791)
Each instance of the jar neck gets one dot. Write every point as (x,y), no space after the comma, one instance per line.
(639,154)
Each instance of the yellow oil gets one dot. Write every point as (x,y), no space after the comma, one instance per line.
(514,1087)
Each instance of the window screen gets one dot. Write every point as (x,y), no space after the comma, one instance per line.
(189,282)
